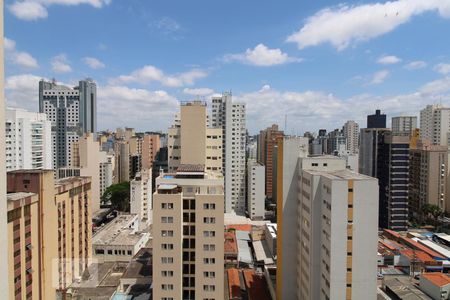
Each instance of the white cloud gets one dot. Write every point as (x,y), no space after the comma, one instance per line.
(30,10)
(60,64)
(379,77)
(262,56)
(388,60)
(167,25)
(416,65)
(93,63)
(344,25)
(442,68)
(150,73)
(436,87)
(198,91)
(311,110)
(23,59)
(147,110)
(23,91)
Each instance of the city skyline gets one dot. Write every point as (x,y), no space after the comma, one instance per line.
(278,63)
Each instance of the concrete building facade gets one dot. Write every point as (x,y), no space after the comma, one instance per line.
(428,177)
(286,159)
(338,231)
(404,125)
(64,225)
(256,175)
(230,117)
(23,246)
(191,125)
(72,112)
(351,134)
(188,235)
(28,140)
(151,143)
(141,197)
(435,124)
(267,139)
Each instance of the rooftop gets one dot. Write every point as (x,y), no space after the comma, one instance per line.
(118,232)
(256,284)
(234,284)
(417,255)
(18,196)
(438,279)
(191,169)
(403,288)
(140,265)
(341,175)
(230,245)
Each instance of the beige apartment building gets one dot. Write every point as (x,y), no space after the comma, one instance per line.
(151,143)
(428,177)
(188,235)
(23,246)
(337,231)
(64,225)
(192,142)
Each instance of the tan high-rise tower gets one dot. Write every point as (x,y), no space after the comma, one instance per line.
(188,212)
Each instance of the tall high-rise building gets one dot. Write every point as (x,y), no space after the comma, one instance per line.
(351,134)
(64,223)
(122,161)
(428,177)
(386,156)
(141,197)
(435,124)
(231,118)
(335,140)
(188,206)
(337,231)
(191,125)
(377,120)
(151,144)
(28,140)
(255,190)
(404,125)
(371,139)
(72,112)
(286,156)
(267,139)
(3,209)
(23,246)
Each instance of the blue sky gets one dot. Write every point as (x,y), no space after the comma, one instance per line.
(318,62)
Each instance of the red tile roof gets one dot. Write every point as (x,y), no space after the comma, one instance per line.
(234,285)
(420,255)
(230,244)
(242,227)
(256,285)
(418,246)
(437,279)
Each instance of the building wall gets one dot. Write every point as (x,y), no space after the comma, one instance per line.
(23,247)
(404,125)
(287,153)
(193,132)
(42,183)
(435,124)
(141,198)
(255,190)
(28,140)
(3,226)
(151,144)
(188,205)
(351,134)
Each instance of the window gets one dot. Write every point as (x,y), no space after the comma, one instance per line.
(209,247)
(209,220)
(167,260)
(209,274)
(209,261)
(209,233)
(167,233)
(167,287)
(209,287)
(167,246)
(166,219)
(167,273)
(167,205)
(209,206)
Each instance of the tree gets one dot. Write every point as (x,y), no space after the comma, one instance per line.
(118,195)
(432,213)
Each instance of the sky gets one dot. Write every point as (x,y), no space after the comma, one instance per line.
(315,63)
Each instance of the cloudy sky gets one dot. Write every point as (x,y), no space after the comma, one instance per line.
(319,63)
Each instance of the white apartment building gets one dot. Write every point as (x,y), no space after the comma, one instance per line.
(186,140)
(188,235)
(404,125)
(28,140)
(256,175)
(231,118)
(351,134)
(141,197)
(337,231)
(435,124)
